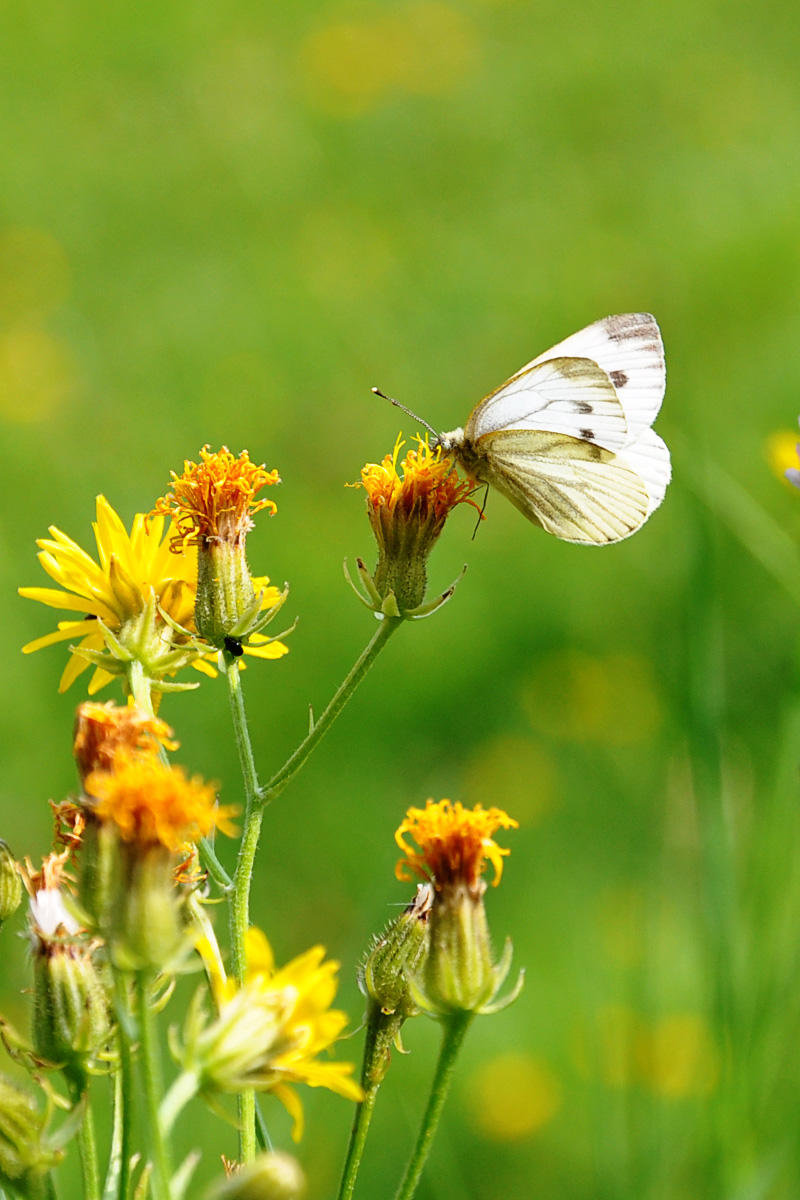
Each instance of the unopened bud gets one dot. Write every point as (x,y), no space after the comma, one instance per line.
(145,930)
(10,884)
(400,951)
(273,1176)
(25,1158)
(71,1019)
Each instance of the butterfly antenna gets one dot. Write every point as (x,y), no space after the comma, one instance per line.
(397,404)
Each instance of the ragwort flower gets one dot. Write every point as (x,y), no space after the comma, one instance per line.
(268,1033)
(140,815)
(454,845)
(212,505)
(407,513)
(128,598)
(105,734)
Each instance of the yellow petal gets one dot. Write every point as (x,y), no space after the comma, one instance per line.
(206,668)
(66,631)
(99,679)
(272,650)
(258,952)
(291,1102)
(67,600)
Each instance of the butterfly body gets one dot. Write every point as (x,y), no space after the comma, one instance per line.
(568,439)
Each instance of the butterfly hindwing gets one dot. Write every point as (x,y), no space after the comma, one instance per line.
(572,396)
(572,488)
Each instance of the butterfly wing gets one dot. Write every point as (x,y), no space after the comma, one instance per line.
(629,349)
(568,438)
(575,489)
(562,395)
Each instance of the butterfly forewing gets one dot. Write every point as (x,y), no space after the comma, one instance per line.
(629,349)
(562,395)
(576,490)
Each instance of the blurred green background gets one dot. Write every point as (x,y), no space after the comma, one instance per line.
(223,223)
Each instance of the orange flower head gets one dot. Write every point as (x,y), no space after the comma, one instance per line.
(407,513)
(425,493)
(454,843)
(215,500)
(105,734)
(155,805)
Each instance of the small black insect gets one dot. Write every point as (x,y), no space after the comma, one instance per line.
(234,647)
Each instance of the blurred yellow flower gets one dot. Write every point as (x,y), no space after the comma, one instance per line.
(152,804)
(34,274)
(107,734)
(114,590)
(518,769)
(38,373)
(269,1032)
(610,699)
(513,1096)
(782,455)
(421,49)
(674,1056)
(677,1056)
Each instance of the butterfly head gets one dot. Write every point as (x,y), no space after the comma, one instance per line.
(449,442)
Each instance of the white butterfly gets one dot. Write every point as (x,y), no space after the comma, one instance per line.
(568,439)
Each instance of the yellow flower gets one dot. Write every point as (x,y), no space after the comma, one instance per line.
(426,491)
(407,513)
(215,500)
(152,804)
(459,975)
(212,505)
(453,841)
(269,1032)
(105,734)
(115,590)
(782,455)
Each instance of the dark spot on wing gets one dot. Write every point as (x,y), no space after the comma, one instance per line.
(582,406)
(587,434)
(629,325)
(618,378)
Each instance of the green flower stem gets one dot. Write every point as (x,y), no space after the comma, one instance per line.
(256,800)
(240,895)
(382,1029)
(290,768)
(87,1150)
(139,683)
(123,1094)
(358,1138)
(151,1078)
(454,1031)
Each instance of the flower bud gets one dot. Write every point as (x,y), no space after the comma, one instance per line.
(272,1176)
(400,951)
(226,599)
(10,884)
(71,1019)
(145,930)
(25,1157)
